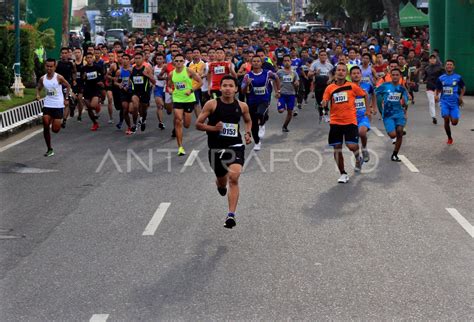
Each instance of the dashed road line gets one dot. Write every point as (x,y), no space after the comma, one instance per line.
(376,131)
(462,221)
(156,219)
(99,318)
(407,162)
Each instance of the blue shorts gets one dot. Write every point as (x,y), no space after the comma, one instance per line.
(450,110)
(391,122)
(286,102)
(159,92)
(362,119)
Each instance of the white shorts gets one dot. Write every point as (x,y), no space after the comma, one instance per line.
(168,98)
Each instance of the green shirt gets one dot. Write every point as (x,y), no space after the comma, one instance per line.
(182,83)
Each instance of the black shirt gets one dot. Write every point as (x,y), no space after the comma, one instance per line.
(230,115)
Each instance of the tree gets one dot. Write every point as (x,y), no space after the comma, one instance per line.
(393,17)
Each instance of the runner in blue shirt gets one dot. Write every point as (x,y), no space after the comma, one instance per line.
(452,89)
(394,98)
(257,83)
(363,113)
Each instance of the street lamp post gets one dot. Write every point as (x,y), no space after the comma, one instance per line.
(17,85)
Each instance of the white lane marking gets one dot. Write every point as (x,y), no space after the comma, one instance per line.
(189,162)
(99,318)
(156,219)
(26,138)
(462,221)
(33,170)
(407,162)
(376,131)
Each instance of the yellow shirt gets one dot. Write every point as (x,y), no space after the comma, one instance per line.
(198,69)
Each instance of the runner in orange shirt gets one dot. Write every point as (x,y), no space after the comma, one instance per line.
(343,118)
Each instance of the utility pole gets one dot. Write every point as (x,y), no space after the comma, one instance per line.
(145,10)
(293,10)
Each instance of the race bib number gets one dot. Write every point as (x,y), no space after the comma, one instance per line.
(365,80)
(230,130)
(138,80)
(259,90)
(340,97)
(125,81)
(91,76)
(293,68)
(51,92)
(447,90)
(394,97)
(180,85)
(287,79)
(411,69)
(360,103)
(280,55)
(304,68)
(323,73)
(219,70)
(78,75)
(380,74)
(157,73)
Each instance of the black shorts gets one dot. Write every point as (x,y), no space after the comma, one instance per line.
(90,93)
(54,113)
(78,89)
(187,107)
(338,134)
(125,97)
(221,159)
(144,97)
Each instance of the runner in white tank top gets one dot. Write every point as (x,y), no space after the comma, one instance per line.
(53,109)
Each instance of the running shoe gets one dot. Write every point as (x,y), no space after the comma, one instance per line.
(49,153)
(110,121)
(299,106)
(435,121)
(285,129)
(358,165)
(395,158)
(230,221)
(366,155)
(95,127)
(143,125)
(261,131)
(257,146)
(79,118)
(394,140)
(344,178)
(181,151)
(161,126)
(326,118)
(450,141)
(134,129)
(63,124)
(129,131)
(119,125)
(295,113)
(222,191)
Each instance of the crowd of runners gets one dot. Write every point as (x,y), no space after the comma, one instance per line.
(230,78)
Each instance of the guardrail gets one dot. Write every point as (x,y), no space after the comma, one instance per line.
(19,115)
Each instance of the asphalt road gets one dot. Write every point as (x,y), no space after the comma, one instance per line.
(382,247)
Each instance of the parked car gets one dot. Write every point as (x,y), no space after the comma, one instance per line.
(296,29)
(113,35)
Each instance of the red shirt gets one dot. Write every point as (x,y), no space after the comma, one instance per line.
(218,70)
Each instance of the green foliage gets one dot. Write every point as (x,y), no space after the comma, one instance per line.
(359,11)
(5,80)
(46,36)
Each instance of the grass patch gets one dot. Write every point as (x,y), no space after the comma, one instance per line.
(30,96)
